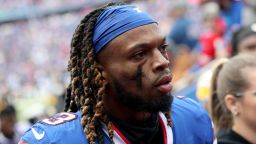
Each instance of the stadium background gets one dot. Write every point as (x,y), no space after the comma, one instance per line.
(35,38)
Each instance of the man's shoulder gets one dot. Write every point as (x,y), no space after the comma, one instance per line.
(187,106)
(191,120)
(63,128)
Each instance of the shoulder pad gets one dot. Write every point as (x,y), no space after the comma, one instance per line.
(191,120)
(62,128)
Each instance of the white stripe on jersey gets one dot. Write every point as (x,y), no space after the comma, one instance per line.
(167,131)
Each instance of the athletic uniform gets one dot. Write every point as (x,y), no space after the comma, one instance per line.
(191,125)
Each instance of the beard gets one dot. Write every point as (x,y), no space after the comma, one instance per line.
(142,102)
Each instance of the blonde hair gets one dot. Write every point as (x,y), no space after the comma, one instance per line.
(228,79)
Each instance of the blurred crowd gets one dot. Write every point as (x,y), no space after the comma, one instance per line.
(201,32)
(42,4)
(34,52)
(34,55)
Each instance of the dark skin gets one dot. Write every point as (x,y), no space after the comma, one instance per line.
(136,61)
(138,76)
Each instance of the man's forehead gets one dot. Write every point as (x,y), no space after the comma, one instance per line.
(139,37)
(115,21)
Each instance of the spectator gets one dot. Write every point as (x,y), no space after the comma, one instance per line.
(244,40)
(9,134)
(233,101)
(212,43)
(180,29)
(231,11)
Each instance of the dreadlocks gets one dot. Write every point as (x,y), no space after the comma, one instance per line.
(87,86)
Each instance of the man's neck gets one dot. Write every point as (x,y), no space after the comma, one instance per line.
(148,132)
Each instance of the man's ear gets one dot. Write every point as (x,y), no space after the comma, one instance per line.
(102,71)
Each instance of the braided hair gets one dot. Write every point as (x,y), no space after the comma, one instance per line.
(87,87)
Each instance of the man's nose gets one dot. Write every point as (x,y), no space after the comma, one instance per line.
(160,61)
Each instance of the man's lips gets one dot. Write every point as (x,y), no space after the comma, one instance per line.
(164,84)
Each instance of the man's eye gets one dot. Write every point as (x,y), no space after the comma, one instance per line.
(139,55)
(163,48)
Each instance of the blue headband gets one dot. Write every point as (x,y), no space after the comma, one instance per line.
(116,20)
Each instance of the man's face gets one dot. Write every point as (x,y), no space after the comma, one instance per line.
(247,45)
(136,66)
